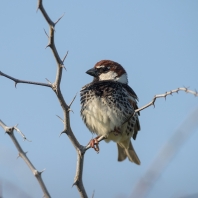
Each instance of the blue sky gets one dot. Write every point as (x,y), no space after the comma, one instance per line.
(157,44)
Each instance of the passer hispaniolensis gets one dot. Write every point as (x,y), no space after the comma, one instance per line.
(107,106)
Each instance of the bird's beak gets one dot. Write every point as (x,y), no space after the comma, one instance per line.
(92,72)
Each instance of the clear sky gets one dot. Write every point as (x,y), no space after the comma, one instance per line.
(157,44)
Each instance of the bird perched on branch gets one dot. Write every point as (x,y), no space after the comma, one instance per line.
(107,106)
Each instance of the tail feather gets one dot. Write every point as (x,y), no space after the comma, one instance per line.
(121,153)
(130,153)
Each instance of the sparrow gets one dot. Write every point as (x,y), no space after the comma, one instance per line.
(107,108)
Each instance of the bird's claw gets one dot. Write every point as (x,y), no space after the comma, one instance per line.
(94,144)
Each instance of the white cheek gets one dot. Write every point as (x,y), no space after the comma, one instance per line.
(113,76)
(108,76)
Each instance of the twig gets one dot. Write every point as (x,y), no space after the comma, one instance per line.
(24,81)
(195,93)
(18,130)
(22,154)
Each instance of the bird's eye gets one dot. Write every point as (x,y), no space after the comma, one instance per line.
(105,69)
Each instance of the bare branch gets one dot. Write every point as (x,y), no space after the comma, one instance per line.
(22,154)
(195,93)
(79,171)
(24,81)
(40,6)
(66,108)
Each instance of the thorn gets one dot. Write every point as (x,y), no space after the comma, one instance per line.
(42,171)
(46,33)
(48,46)
(15,84)
(63,132)
(72,101)
(196,93)
(70,110)
(59,19)
(65,56)
(171,93)
(38,6)
(53,27)
(63,67)
(48,81)
(60,118)
(28,140)
(153,102)
(18,156)
(186,89)
(75,183)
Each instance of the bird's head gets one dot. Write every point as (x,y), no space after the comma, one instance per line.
(108,70)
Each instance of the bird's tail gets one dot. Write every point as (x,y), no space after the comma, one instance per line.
(129,152)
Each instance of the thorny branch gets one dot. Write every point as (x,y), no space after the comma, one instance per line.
(66,108)
(24,81)
(22,154)
(195,93)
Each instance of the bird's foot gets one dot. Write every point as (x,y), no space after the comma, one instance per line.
(94,144)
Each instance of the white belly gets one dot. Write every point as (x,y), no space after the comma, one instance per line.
(100,118)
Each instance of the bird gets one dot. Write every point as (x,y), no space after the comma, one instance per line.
(108,107)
